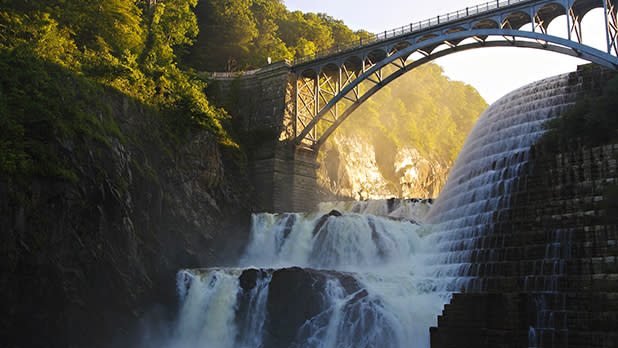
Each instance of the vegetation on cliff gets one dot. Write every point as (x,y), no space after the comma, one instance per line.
(128,45)
(423,112)
(591,121)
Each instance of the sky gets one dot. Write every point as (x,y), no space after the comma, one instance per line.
(494,72)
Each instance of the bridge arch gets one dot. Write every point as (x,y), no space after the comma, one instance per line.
(516,20)
(347,91)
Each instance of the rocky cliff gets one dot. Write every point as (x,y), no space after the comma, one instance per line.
(84,258)
(352,167)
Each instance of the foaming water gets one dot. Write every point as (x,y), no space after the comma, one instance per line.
(346,242)
(207,312)
(413,209)
(394,298)
(376,273)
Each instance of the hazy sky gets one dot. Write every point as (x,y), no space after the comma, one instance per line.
(492,71)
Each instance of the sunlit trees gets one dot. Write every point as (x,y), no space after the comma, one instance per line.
(148,49)
(422,109)
(243,34)
(129,45)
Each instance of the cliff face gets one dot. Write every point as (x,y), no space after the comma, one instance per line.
(351,167)
(83,260)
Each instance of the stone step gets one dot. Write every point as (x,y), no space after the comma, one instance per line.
(592,338)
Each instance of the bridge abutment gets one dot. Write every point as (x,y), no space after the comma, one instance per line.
(283,176)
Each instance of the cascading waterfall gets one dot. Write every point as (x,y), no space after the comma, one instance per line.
(371,284)
(488,168)
(371,274)
(551,310)
(477,193)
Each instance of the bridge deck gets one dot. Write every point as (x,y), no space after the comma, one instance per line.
(580,7)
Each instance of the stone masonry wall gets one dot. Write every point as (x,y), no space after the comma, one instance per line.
(283,177)
(551,264)
(548,269)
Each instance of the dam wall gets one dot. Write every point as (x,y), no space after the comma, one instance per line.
(547,268)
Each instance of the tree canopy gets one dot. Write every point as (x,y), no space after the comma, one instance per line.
(243,34)
(150,50)
(54,50)
(424,110)
(131,45)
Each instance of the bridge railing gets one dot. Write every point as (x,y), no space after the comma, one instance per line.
(413,27)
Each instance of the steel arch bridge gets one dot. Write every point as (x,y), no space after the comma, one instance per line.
(331,85)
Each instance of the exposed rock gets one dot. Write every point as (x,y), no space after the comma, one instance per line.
(248,278)
(295,296)
(323,220)
(81,261)
(334,213)
(350,169)
(289,224)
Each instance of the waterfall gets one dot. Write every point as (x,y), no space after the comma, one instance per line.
(489,167)
(375,274)
(477,196)
(365,276)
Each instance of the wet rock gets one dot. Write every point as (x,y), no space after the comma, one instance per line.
(295,296)
(290,220)
(288,225)
(324,219)
(390,203)
(248,279)
(375,237)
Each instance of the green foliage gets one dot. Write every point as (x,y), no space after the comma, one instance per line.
(592,121)
(242,34)
(39,33)
(37,109)
(422,109)
(131,45)
(55,58)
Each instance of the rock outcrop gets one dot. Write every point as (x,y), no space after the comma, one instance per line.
(83,260)
(350,167)
(289,320)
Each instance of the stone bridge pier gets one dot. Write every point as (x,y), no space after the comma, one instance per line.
(283,175)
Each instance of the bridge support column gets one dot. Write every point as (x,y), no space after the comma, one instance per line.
(285,178)
(304,197)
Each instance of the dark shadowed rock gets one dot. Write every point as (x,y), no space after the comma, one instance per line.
(248,279)
(290,220)
(295,296)
(323,220)
(334,213)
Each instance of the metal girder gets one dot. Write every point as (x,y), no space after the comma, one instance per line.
(611,26)
(339,92)
(576,25)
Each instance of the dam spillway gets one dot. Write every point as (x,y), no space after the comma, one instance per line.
(349,278)
(540,244)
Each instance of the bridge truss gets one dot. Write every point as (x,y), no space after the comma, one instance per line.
(332,84)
